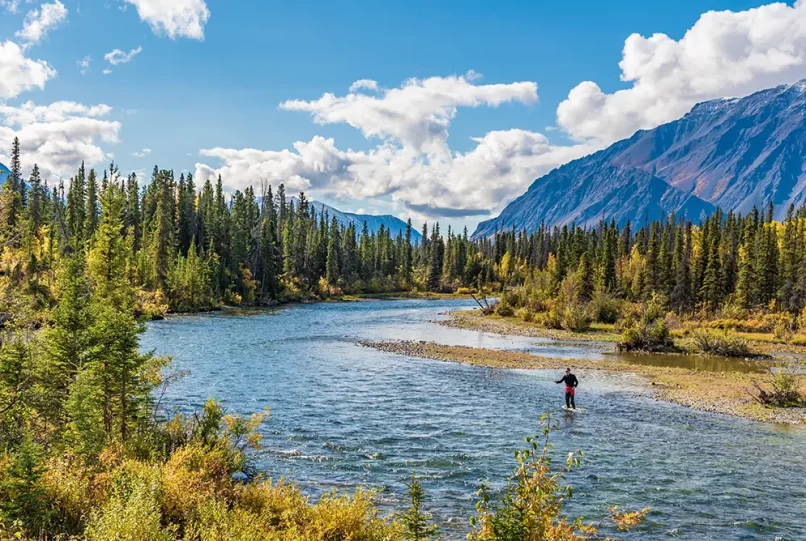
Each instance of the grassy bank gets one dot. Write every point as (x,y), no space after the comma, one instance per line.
(760,344)
(730,395)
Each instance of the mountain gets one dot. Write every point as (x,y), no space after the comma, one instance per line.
(4,172)
(374,222)
(728,153)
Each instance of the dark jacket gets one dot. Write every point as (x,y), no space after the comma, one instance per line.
(570,380)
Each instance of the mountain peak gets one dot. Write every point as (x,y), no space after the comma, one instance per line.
(732,153)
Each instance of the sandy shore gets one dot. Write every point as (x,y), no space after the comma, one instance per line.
(727,393)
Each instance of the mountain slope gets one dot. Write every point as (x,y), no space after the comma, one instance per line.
(374,222)
(730,153)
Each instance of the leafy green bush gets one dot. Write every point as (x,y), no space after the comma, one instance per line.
(785,388)
(418,524)
(504,310)
(784,330)
(553,317)
(647,336)
(525,314)
(725,344)
(131,514)
(604,307)
(529,507)
(646,329)
(802,321)
(575,317)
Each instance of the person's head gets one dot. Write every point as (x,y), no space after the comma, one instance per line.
(567,370)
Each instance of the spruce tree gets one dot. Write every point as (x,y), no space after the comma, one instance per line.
(37,200)
(333,256)
(407,254)
(91,213)
(434,263)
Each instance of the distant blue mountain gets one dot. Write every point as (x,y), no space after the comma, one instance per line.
(374,222)
(4,172)
(730,153)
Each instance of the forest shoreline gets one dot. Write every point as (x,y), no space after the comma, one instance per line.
(762,345)
(680,386)
(356,297)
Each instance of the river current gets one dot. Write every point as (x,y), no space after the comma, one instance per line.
(344,416)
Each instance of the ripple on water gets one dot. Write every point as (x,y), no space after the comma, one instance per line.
(344,416)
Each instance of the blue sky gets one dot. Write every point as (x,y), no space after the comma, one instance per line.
(219,85)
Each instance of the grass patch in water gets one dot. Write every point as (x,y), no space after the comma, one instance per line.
(724,392)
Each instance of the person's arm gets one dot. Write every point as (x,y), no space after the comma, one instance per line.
(576,382)
(561,380)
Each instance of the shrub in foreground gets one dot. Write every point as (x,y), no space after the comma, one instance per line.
(645,329)
(725,344)
(530,506)
(576,318)
(785,390)
(604,307)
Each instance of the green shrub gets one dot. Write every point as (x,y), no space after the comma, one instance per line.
(131,514)
(22,494)
(530,506)
(733,310)
(418,524)
(784,330)
(725,344)
(575,317)
(646,329)
(552,318)
(784,389)
(647,336)
(525,314)
(604,307)
(504,310)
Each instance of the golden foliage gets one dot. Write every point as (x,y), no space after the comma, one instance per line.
(627,520)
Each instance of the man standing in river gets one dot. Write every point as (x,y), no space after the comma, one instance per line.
(571,383)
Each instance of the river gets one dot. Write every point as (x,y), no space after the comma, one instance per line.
(343,415)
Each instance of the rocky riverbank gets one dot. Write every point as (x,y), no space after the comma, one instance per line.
(727,393)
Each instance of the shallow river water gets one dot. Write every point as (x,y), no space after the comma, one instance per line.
(344,415)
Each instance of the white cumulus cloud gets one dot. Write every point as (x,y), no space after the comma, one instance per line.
(418,113)
(142,153)
(59,136)
(725,53)
(174,18)
(412,162)
(477,183)
(19,73)
(38,22)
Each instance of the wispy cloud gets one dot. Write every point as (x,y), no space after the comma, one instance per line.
(38,22)
(84,64)
(120,57)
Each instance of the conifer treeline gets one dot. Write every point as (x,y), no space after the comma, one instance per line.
(197,248)
(747,261)
(194,248)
